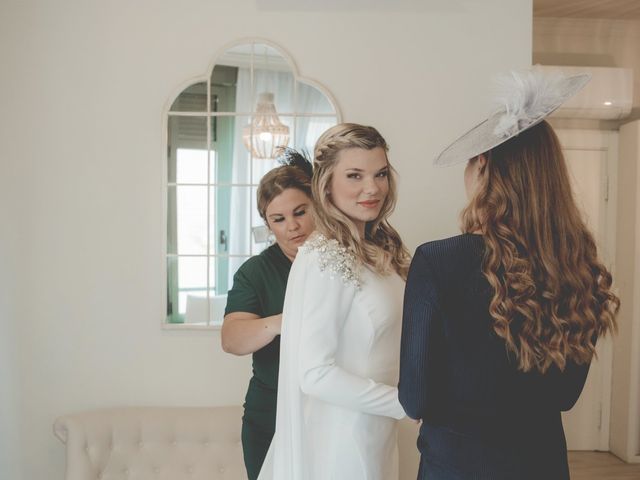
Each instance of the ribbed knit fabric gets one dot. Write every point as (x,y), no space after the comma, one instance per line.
(482,418)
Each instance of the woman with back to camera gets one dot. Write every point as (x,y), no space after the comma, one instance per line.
(254,304)
(500,323)
(337,400)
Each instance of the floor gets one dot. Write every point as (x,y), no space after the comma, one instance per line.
(601,466)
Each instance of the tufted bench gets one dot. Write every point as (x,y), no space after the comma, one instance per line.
(172,443)
(153,443)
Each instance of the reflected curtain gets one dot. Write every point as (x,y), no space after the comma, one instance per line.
(308,130)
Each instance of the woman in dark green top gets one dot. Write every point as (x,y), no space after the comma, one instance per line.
(254,304)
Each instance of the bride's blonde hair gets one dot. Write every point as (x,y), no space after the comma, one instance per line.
(382,247)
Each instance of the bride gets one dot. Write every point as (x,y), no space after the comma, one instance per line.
(338,405)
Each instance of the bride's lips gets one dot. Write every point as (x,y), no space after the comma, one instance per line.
(369,203)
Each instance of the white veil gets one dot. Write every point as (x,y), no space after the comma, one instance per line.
(285,458)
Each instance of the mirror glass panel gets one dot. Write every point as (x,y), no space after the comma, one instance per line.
(223,135)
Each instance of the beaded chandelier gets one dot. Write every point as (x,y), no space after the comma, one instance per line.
(266,134)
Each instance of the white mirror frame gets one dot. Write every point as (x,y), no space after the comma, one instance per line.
(206,77)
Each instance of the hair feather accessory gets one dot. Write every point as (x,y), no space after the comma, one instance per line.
(294,158)
(524,99)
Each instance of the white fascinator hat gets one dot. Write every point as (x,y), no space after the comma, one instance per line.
(523,99)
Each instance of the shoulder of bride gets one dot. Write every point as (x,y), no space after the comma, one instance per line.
(334,258)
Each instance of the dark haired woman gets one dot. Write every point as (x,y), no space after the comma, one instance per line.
(254,304)
(500,323)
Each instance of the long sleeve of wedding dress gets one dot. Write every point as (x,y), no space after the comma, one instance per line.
(326,304)
(337,400)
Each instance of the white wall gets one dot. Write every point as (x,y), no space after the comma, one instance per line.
(13,215)
(9,386)
(82,144)
(625,402)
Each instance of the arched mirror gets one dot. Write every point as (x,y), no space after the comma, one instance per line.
(222,135)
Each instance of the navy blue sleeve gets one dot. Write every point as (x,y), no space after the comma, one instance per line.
(422,336)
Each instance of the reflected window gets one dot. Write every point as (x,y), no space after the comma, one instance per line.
(221,135)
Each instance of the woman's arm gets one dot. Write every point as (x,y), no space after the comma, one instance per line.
(243,332)
(245,328)
(421,338)
(326,302)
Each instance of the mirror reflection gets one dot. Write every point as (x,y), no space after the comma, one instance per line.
(223,135)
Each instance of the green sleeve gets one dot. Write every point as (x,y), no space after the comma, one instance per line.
(243,296)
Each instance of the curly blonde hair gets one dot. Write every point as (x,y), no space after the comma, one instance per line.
(382,247)
(552,295)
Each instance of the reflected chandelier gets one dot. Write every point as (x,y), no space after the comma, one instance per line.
(266,134)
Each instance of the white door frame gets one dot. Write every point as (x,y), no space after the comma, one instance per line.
(606,142)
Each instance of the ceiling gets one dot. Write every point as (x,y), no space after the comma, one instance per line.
(623,9)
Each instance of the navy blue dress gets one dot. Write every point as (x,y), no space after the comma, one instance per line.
(482,418)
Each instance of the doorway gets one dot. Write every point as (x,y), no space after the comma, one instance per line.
(592,160)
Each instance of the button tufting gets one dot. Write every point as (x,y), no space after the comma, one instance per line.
(140,444)
(221,469)
(156,470)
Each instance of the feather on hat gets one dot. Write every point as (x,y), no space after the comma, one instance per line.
(524,99)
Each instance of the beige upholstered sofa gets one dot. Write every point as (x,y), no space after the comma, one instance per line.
(170,443)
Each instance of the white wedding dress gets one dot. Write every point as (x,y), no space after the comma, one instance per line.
(339,356)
